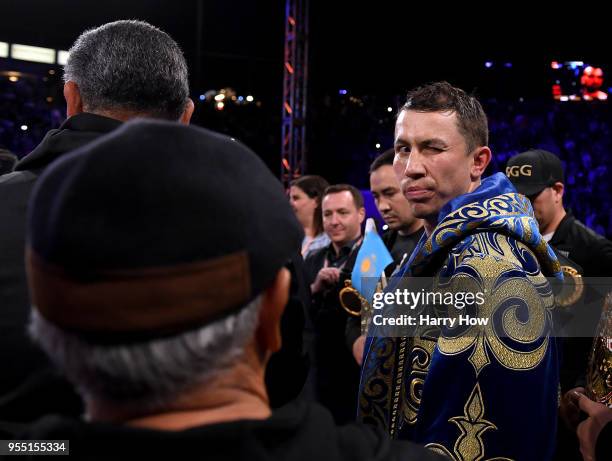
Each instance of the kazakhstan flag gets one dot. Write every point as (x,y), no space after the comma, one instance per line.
(371,261)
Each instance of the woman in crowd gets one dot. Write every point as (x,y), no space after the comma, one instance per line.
(305,197)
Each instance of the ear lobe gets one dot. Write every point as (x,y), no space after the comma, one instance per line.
(273,302)
(72,94)
(188,112)
(482,158)
(559,189)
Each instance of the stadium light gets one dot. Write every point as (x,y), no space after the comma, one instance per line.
(33,53)
(4,50)
(62,57)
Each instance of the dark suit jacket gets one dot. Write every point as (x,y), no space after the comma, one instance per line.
(29,387)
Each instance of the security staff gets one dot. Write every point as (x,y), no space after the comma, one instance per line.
(539,175)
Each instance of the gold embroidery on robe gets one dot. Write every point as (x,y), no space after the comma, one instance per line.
(469,445)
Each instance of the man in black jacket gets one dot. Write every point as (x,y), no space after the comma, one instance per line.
(539,175)
(116,72)
(403,233)
(336,374)
(404,230)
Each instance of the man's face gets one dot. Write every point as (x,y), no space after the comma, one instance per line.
(545,207)
(390,201)
(431,161)
(341,218)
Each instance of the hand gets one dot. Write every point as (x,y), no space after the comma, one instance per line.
(568,410)
(358,346)
(589,429)
(326,277)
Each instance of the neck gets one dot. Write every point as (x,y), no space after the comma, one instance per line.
(309,230)
(121,115)
(429,227)
(338,246)
(554,223)
(237,394)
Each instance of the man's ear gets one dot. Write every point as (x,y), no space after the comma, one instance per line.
(482,157)
(72,94)
(188,112)
(362,214)
(558,189)
(273,302)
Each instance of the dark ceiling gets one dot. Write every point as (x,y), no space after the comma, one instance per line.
(380,46)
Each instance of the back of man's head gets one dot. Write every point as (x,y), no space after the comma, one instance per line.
(155,285)
(386,158)
(129,66)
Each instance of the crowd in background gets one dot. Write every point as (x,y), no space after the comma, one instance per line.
(347,132)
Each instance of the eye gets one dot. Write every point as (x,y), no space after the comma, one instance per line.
(402,150)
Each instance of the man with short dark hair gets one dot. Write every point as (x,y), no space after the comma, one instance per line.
(336,373)
(404,231)
(445,382)
(115,72)
(404,228)
(539,175)
(163,309)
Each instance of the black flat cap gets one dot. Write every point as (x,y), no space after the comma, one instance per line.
(154,229)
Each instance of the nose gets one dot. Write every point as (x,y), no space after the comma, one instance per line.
(414,167)
(333,219)
(383,205)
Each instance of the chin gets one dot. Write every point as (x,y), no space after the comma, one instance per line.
(422,211)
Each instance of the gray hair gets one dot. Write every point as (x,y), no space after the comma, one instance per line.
(129,65)
(151,374)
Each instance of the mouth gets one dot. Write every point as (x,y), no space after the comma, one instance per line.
(415,193)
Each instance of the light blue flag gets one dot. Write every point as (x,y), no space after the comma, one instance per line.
(371,261)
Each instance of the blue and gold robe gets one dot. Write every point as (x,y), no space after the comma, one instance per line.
(475,392)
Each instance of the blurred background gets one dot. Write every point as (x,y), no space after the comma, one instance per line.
(314,86)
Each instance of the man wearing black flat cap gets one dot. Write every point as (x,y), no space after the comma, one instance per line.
(115,72)
(161,299)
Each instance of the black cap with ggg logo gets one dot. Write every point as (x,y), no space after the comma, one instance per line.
(532,171)
(155,229)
